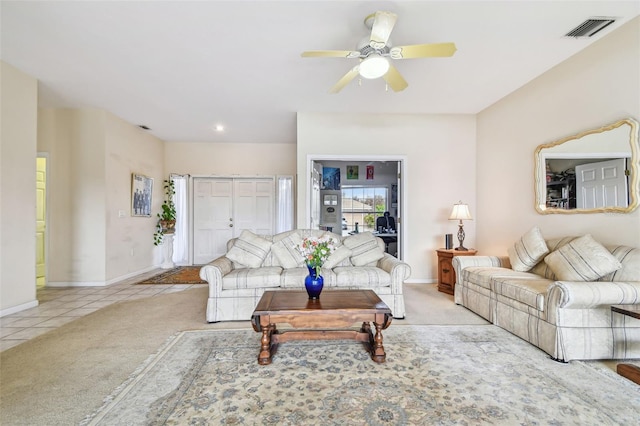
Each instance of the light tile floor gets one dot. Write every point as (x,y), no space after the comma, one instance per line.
(60,305)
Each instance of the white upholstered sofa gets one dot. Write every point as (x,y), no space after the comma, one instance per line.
(567,318)
(254,264)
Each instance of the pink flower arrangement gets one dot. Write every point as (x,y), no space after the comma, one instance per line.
(316,251)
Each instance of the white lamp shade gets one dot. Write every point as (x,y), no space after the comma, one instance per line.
(460,212)
(374,66)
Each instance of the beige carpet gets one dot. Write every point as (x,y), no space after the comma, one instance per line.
(61,376)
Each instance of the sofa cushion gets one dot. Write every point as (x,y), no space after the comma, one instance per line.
(361,277)
(364,247)
(482,276)
(265,277)
(629,257)
(583,259)
(287,251)
(249,249)
(553,244)
(339,254)
(528,250)
(531,292)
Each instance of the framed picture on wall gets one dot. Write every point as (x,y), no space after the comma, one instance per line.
(141,191)
(352,172)
(331,178)
(369,172)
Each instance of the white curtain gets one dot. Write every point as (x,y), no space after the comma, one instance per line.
(284,204)
(180,239)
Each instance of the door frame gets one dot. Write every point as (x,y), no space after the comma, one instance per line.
(402,161)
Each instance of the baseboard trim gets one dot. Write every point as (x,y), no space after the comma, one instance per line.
(131,275)
(18,308)
(99,283)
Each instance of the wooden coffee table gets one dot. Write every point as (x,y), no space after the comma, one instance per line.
(629,371)
(325,319)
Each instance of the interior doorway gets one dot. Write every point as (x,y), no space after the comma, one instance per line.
(353,194)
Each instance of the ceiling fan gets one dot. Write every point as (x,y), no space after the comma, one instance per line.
(374,53)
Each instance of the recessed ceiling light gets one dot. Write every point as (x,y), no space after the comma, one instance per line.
(219,128)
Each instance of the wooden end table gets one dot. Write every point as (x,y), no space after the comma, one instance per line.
(629,371)
(446,273)
(327,318)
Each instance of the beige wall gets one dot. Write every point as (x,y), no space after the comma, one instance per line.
(230,159)
(74,140)
(440,170)
(129,240)
(92,155)
(598,86)
(18,121)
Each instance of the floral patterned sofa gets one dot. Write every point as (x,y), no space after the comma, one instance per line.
(557,295)
(256,263)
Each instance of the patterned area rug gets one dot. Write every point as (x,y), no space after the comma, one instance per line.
(179,275)
(441,375)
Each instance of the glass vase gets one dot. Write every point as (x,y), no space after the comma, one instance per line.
(313,283)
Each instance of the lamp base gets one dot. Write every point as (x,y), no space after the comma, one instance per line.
(461,238)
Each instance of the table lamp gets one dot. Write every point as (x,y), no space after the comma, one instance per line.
(460,212)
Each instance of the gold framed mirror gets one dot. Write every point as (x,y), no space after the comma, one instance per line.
(594,171)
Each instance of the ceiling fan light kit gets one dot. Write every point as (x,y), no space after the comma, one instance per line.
(374,66)
(375,53)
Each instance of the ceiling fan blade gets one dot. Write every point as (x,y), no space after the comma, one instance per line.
(423,50)
(395,80)
(331,54)
(353,73)
(381,29)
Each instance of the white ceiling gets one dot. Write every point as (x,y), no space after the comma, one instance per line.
(182,67)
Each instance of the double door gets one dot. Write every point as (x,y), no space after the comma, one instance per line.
(224,207)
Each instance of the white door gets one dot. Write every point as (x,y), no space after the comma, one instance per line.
(224,207)
(316,178)
(253,204)
(41,185)
(602,184)
(212,218)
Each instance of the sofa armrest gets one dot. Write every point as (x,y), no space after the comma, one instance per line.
(399,271)
(461,262)
(214,271)
(581,295)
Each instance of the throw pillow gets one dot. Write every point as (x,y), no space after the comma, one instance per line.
(528,250)
(364,248)
(249,249)
(334,259)
(288,252)
(583,259)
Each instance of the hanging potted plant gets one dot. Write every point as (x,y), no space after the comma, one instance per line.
(167,217)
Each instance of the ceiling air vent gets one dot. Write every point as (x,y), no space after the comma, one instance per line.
(590,27)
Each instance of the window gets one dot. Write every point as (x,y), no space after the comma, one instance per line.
(363,205)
